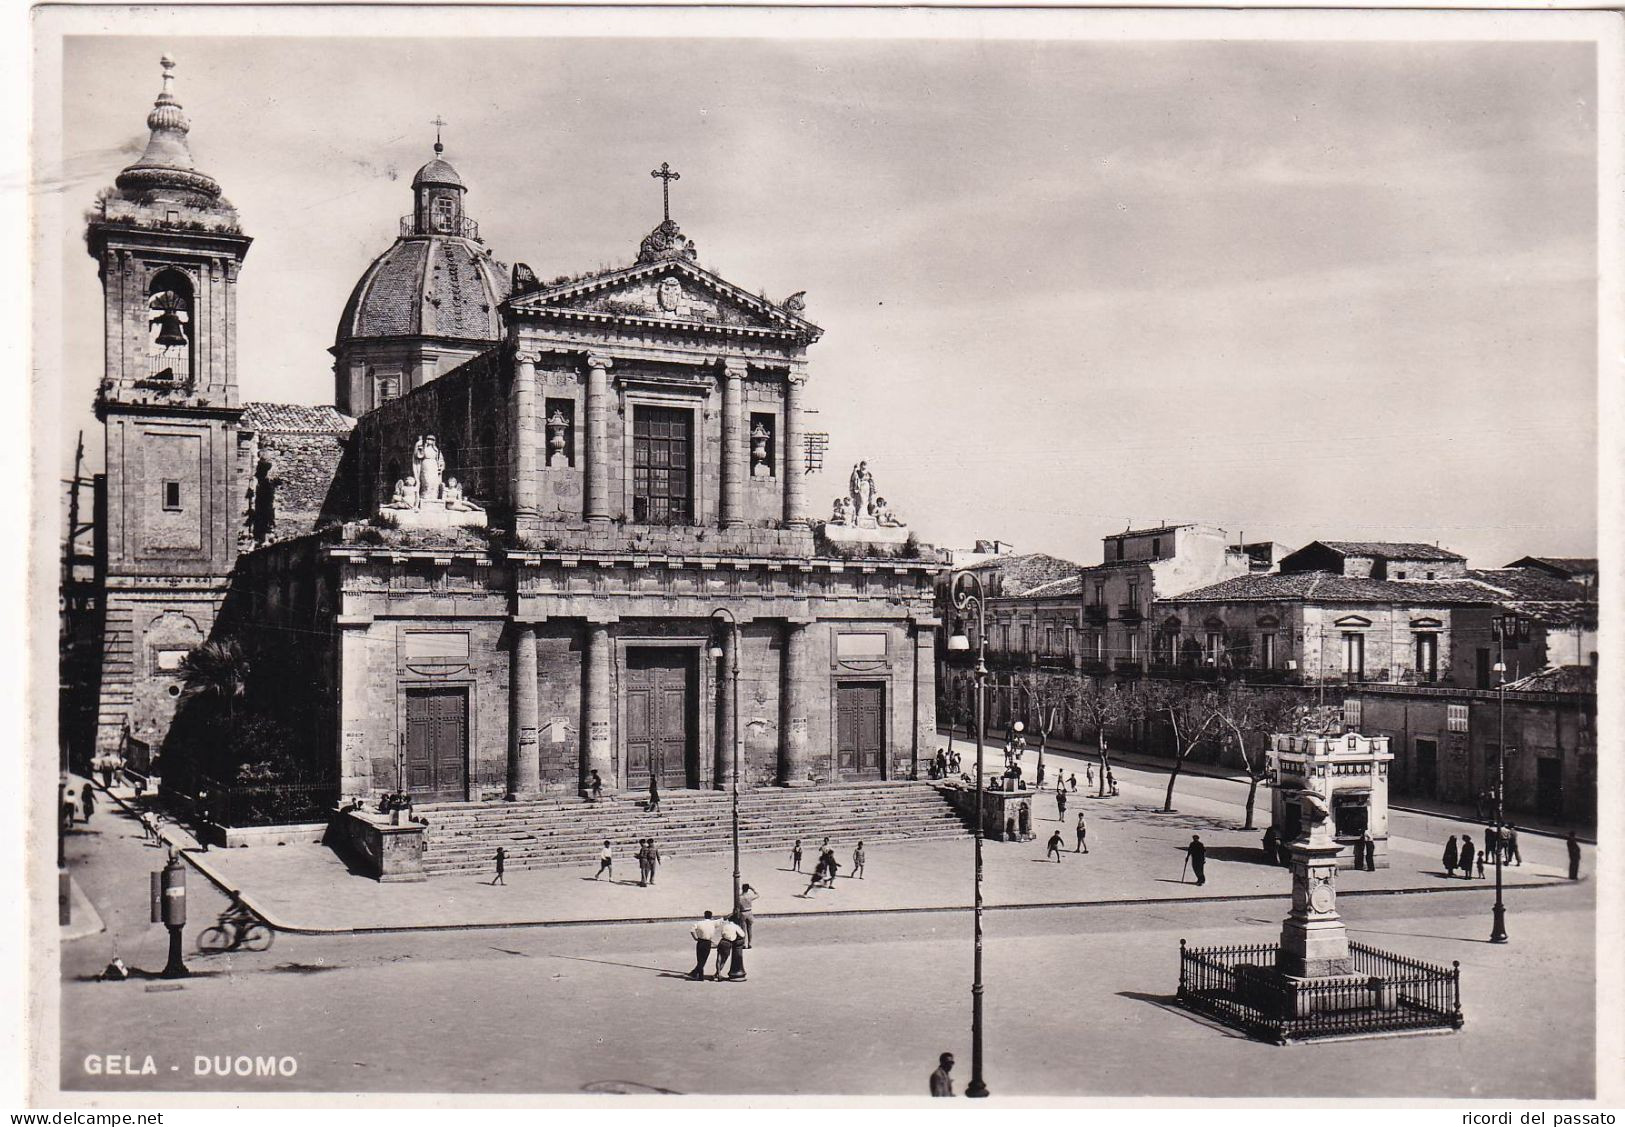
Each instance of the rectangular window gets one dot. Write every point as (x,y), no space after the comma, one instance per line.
(662,438)
(1049,639)
(1026,641)
(1266,651)
(1071,641)
(1156,547)
(1119,549)
(1100,594)
(172,495)
(1427,657)
(385,389)
(763,444)
(1004,638)
(1100,647)
(1133,594)
(1215,647)
(1134,646)
(168,661)
(1456,717)
(561,433)
(1351,714)
(1354,656)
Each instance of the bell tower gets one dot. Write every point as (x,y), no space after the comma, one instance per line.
(168,247)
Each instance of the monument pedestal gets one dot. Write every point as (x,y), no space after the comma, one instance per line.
(1314,940)
(434,515)
(847,534)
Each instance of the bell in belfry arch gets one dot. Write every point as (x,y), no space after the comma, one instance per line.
(170,333)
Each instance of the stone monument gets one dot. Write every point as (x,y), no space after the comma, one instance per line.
(1314,940)
(862,516)
(427,498)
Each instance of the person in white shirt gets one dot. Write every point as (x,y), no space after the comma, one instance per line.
(747,905)
(705,933)
(606,863)
(730,943)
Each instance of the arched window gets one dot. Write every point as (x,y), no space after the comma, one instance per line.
(170,327)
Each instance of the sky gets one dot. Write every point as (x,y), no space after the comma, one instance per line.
(1296,290)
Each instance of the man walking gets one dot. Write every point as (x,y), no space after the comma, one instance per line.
(1072,782)
(88,799)
(857,861)
(795,856)
(1450,856)
(1054,847)
(606,862)
(596,785)
(1366,852)
(941,1083)
(1574,856)
(501,860)
(654,859)
(1196,854)
(1511,843)
(1083,836)
(1060,806)
(704,932)
(654,795)
(643,862)
(1465,857)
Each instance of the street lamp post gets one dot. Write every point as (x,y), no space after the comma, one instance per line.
(716,652)
(1503,623)
(966,590)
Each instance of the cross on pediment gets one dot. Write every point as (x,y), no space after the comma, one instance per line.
(665,175)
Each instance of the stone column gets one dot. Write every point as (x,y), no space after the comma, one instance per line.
(722,771)
(596,508)
(790,462)
(795,755)
(524,758)
(733,443)
(597,708)
(524,453)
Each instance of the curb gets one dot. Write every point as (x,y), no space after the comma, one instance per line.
(1119,902)
(191,858)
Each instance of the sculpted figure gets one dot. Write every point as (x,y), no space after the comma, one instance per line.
(407,490)
(453,495)
(861,486)
(884,516)
(430,466)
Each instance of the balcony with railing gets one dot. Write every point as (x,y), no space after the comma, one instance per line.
(1130,612)
(462,227)
(1095,612)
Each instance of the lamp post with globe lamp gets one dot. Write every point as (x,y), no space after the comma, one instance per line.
(717,652)
(965,587)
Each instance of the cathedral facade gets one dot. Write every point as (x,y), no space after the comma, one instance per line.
(549,533)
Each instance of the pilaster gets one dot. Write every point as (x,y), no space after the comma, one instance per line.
(524,447)
(598,707)
(795,756)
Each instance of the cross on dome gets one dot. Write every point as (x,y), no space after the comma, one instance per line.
(438,125)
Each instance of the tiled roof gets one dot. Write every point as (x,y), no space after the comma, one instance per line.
(1020,574)
(1056,588)
(1558,679)
(428,286)
(1572,565)
(294,418)
(1147,531)
(1388,550)
(1326,586)
(1528,583)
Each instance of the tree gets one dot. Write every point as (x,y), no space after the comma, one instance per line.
(1246,711)
(1192,711)
(215,676)
(1099,707)
(1048,696)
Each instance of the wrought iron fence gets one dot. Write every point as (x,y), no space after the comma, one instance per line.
(268,804)
(1240,986)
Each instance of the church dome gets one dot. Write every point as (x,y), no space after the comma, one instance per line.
(428,286)
(438,173)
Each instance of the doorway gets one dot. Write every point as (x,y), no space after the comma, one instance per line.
(1549,786)
(436,759)
(1427,767)
(662,717)
(860,729)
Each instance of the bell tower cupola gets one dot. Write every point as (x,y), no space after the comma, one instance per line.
(437,197)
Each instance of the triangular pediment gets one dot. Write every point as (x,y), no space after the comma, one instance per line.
(672,291)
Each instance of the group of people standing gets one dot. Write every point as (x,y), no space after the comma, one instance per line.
(944,765)
(1499,842)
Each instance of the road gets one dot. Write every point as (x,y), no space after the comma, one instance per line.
(1077,1003)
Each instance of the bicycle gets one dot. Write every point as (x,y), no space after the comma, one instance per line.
(234,933)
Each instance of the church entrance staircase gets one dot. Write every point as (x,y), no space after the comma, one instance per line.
(541,833)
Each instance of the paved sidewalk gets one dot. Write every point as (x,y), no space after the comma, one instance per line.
(1135,857)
